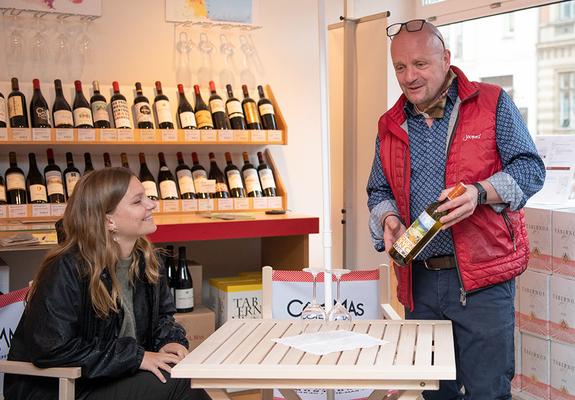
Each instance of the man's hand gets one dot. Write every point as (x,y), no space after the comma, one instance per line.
(176,349)
(154,362)
(459,208)
(392,230)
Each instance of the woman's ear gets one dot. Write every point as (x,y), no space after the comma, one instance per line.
(110,224)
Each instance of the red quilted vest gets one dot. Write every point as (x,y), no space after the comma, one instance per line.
(488,251)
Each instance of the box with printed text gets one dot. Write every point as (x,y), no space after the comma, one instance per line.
(534,304)
(535,367)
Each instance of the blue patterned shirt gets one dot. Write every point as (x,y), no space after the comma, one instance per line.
(522,175)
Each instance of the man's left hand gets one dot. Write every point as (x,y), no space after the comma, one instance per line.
(459,208)
(176,349)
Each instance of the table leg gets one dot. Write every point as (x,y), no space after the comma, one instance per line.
(289,394)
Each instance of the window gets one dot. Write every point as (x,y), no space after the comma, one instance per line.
(567,10)
(567,100)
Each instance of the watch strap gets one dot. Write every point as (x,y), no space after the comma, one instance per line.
(481,193)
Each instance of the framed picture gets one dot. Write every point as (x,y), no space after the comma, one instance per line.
(219,11)
(77,7)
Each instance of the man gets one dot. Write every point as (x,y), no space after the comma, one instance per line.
(443,130)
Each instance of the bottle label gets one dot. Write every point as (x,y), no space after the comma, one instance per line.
(163,110)
(143,112)
(72,179)
(267,178)
(251,113)
(83,116)
(15,181)
(252,180)
(15,108)
(2,109)
(121,113)
(234,179)
(266,109)
(100,111)
(221,187)
(150,189)
(204,119)
(185,181)
(168,189)
(217,105)
(413,235)
(184,298)
(199,177)
(38,193)
(41,115)
(63,117)
(2,194)
(234,109)
(187,120)
(54,182)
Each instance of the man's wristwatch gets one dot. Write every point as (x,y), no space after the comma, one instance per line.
(481,193)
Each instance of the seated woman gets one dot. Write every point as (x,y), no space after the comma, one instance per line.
(100,301)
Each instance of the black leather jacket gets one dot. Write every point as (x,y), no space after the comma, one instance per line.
(60,328)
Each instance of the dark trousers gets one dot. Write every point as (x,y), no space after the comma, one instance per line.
(482,330)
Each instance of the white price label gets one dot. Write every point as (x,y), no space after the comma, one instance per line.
(40,210)
(156,207)
(190,205)
(275,202)
(3,134)
(258,135)
(205,204)
(57,210)
(169,135)
(125,135)
(241,136)
(275,136)
(64,135)
(171,205)
(260,203)
(17,210)
(226,136)
(147,135)
(192,135)
(3,211)
(208,135)
(21,134)
(225,204)
(242,204)
(108,135)
(40,134)
(86,135)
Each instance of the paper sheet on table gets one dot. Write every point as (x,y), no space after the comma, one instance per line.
(321,343)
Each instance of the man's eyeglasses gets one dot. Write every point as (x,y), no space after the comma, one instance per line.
(415,25)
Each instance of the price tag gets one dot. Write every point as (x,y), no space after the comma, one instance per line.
(108,135)
(225,204)
(171,205)
(86,135)
(258,136)
(21,134)
(260,203)
(17,211)
(64,135)
(40,134)
(3,134)
(242,204)
(169,135)
(41,210)
(3,211)
(57,209)
(192,135)
(147,135)
(189,205)
(226,136)
(241,136)
(125,135)
(275,202)
(208,135)
(275,136)
(205,204)
(156,208)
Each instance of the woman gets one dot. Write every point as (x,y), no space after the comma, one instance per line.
(100,301)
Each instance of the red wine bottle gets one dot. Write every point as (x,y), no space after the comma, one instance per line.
(250,110)
(54,180)
(234,178)
(35,182)
(17,112)
(147,179)
(203,115)
(186,115)
(266,177)
(88,167)
(218,109)
(216,174)
(142,109)
(120,109)
(163,109)
(251,179)
(166,181)
(61,111)
(15,182)
(3,118)
(266,109)
(3,198)
(107,160)
(184,286)
(199,176)
(171,268)
(99,108)
(71,175)
(234,109)
(124,158)
(81,108)
(185,180)
(39,112)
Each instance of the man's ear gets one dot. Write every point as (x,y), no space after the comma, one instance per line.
(446,59)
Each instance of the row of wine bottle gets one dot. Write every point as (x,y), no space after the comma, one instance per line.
(217,114)
(55,186)
(179,278)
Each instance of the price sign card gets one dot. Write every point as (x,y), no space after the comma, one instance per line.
(258,136)
(242,204)
(21,134)
(260,203)
(86,135)
(241,136)
(171,205)
(147,135)
(3,134)
(17,210)
(157,207)
(41,210)
(225,204)
(275,136)
(169,135)
(205,204)
(275,202)
(125,135)
(225,136)
(189,205)
(64,135)
(108,135)
(41,134)
(192,135)
(3,212)
(57,209)
(208,135)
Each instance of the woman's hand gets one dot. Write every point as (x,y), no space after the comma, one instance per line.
(176,349)
(154,362)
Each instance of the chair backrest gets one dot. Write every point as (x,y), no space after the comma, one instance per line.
(285,293)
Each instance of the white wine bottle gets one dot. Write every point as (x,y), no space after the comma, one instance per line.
(422,230)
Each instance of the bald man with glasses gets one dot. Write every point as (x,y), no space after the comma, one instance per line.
(445,129)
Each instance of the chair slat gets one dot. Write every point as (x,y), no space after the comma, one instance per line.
(251,342)
(262,350)
(386,355)
(406,346)
(367,356)
(349,357)
(444,353)
(223,352)
(213,342)
(279,351)
(424,346)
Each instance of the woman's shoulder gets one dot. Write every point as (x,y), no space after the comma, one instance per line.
(67,262)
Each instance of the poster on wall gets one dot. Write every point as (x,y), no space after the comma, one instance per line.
(77,7)
(237,11)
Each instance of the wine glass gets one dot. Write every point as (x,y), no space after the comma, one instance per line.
(246,74)
(313,310)
(183,65)
(39,48)
(206,48)
(338,312)
(227,49)
(61,48)
(15,46)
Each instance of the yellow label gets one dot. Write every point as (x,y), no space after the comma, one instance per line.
(414,234)
(251,113)
(15,106)
(204,119)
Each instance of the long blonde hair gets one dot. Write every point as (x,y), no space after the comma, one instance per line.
(97,194)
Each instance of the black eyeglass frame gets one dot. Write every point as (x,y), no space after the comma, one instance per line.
(392,27)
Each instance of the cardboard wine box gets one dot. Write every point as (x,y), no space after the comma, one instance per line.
(199,324)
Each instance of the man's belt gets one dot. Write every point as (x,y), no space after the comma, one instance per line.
(436,263)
